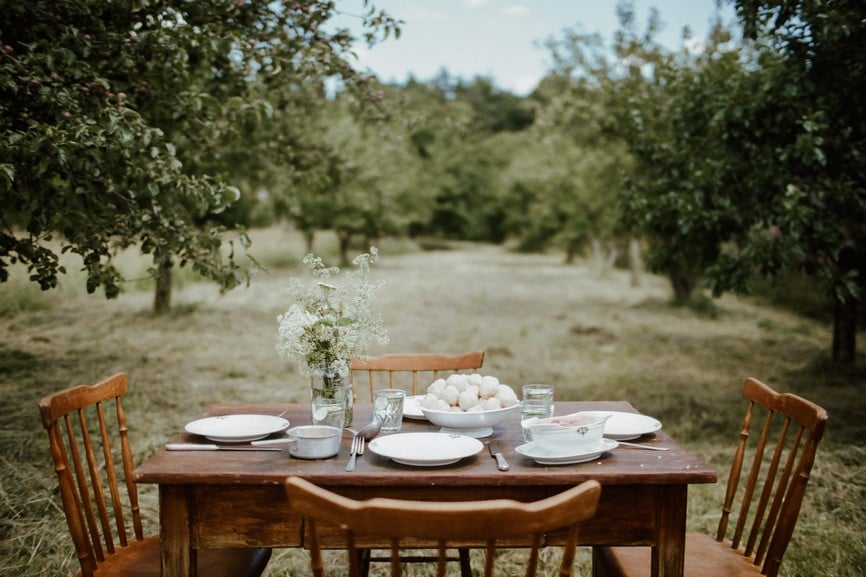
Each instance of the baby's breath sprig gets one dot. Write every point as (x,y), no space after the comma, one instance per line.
(331,322)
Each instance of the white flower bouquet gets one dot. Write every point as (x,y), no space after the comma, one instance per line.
(331,321)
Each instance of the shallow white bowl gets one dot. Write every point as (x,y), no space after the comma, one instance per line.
(478,424)
(565,434)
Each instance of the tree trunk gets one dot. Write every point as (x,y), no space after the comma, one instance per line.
(612,255)
(845,316)
(597,253)
(309,237)
(570,253)
(845,331)
(682,287)
(635,262)
(344,237)
(162,295)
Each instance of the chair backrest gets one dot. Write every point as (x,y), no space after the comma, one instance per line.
(492,522)
(769,473)
(402,371)
(87,435)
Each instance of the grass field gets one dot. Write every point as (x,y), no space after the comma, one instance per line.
(590,332)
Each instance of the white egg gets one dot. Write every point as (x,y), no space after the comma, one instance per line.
(441,405)
(490,379)
(468,399)
(488,388)
(474,379)
(458,381)
(506,396)
(490,404)
(437,387)
(430,401)
(450,395)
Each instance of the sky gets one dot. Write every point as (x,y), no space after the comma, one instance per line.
(502,39)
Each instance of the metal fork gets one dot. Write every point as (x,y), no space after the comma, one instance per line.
(356,449)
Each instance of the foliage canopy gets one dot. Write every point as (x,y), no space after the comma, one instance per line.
(129,123)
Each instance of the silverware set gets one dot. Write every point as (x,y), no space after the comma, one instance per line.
(357,449)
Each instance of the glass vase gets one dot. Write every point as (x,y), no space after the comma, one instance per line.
(333,383)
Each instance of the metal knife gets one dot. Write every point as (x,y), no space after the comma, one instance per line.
(206,447)
(501,463)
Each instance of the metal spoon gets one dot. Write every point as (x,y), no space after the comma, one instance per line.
(371,429)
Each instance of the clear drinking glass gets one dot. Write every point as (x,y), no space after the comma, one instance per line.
(537,402)
(538,394)
(388,404)
(329,412)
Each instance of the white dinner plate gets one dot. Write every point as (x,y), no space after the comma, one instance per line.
(623,426)
(547,457)
(412,407)
(237,428)
(425,449)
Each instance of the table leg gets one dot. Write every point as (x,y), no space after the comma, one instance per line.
(668,556)
(177,557)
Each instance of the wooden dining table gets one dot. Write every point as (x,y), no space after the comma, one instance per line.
(211,499)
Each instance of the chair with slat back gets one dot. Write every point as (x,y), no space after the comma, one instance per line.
(412,372)
(409,371)
(89,442)
(493,523)
(762,501)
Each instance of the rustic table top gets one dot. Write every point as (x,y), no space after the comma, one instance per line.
(619,466)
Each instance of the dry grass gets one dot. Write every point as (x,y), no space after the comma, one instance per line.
(590,333)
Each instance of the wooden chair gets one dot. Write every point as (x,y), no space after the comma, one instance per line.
(492,523)
(402,371)
(412,372)
(93,460)
(773,486)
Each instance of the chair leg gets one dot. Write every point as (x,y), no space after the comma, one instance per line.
(364,561)
(465,568)
(599,565)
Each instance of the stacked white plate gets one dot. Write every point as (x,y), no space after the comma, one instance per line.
(425,449)
(237,428)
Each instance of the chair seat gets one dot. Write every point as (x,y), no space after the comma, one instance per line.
(141,559)
(705,557)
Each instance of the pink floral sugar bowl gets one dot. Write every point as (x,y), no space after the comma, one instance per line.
(566,433)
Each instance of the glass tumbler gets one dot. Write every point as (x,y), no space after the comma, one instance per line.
(537,402)
(388,405)
(329,412)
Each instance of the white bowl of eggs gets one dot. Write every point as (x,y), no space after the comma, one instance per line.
(468,404)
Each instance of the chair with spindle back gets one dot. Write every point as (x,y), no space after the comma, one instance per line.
(493,523)
(770,490)
(412,372)
(89,443)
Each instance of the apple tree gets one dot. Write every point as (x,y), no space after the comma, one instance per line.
(128,123)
